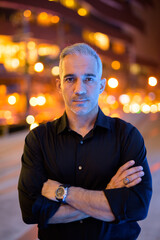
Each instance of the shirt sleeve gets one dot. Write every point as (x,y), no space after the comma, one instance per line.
(35,208)
(131,204)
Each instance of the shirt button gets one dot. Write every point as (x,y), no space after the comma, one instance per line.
(81,142)
(80,167)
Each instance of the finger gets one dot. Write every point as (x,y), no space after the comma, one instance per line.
(125,167)
(131,171)
(133,183)
(135,176)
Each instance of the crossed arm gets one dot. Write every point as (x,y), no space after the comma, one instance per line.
(82,203)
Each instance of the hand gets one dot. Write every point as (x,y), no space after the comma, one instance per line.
(134,175)
(49,188)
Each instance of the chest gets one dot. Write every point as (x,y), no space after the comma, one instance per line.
(88,163)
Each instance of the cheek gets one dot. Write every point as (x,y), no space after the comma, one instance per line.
(94,91)
(67,93)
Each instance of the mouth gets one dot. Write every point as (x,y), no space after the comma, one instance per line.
(80,100)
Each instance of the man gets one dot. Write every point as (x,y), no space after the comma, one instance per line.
(84,176)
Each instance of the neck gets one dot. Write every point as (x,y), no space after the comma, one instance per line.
(82,124)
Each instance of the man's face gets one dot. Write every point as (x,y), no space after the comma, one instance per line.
(80,84)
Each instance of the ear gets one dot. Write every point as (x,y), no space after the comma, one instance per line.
(58,84)
(102,85)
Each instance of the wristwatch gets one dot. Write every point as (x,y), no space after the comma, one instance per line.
(61,193)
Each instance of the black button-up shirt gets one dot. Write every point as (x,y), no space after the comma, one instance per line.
(54,151)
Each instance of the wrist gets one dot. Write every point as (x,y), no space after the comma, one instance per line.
(62,192)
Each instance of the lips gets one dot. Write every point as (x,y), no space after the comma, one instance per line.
(80,100)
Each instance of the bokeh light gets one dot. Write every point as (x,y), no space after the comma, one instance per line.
(39,67)
(33,101)
(55,19)
(112,82)
(11,100)
(135,108)
(55,71)
(30,119)
(101,40)
(82,12)
(124,99)
(152,81)
(145,108)
(154,108)
(27,13)
(41,100)
(116,65)
(111,99)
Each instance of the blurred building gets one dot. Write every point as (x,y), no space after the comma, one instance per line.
(32,34)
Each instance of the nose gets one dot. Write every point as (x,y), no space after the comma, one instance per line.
(80,88)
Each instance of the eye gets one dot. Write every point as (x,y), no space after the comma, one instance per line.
(69,79)
(89,79)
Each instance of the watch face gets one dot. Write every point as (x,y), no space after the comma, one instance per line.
(60,193)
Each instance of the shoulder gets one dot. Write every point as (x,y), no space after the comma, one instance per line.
(124,129)
(120,125)
(43,131)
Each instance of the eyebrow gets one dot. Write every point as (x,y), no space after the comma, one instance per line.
(86,75)
(89,75)
(69,75)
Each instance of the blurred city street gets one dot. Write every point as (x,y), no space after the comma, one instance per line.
(126,36)
(11,147)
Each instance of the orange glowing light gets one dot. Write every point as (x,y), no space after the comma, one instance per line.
(112,82)
(154,108)
(111,99)
(124,99)
(11,100)
(27,13)
(31,45)
(34,125)
(55,19)
(41,100)
(135,108)
(33,101)
(118,47)
(106,111)
(82,12)
(30,119)
(3,90)
(152,81)
(126,108)
(116,65)
(115,115)
(69,3)
(39,67)
(137,98)
(145,108)
(8,114)
(101,40)
(15,63)
(55,71)
(43,18)
(135,68)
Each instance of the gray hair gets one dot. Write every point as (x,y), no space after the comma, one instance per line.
(77,49)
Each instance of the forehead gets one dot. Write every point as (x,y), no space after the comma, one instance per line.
(79,63)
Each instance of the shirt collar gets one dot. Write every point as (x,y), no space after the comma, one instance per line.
(102,121)
(63,123)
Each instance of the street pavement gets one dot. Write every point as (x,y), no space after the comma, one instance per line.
(11,148)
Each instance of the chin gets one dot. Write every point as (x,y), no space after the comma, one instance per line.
(79,111)
(82,112)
